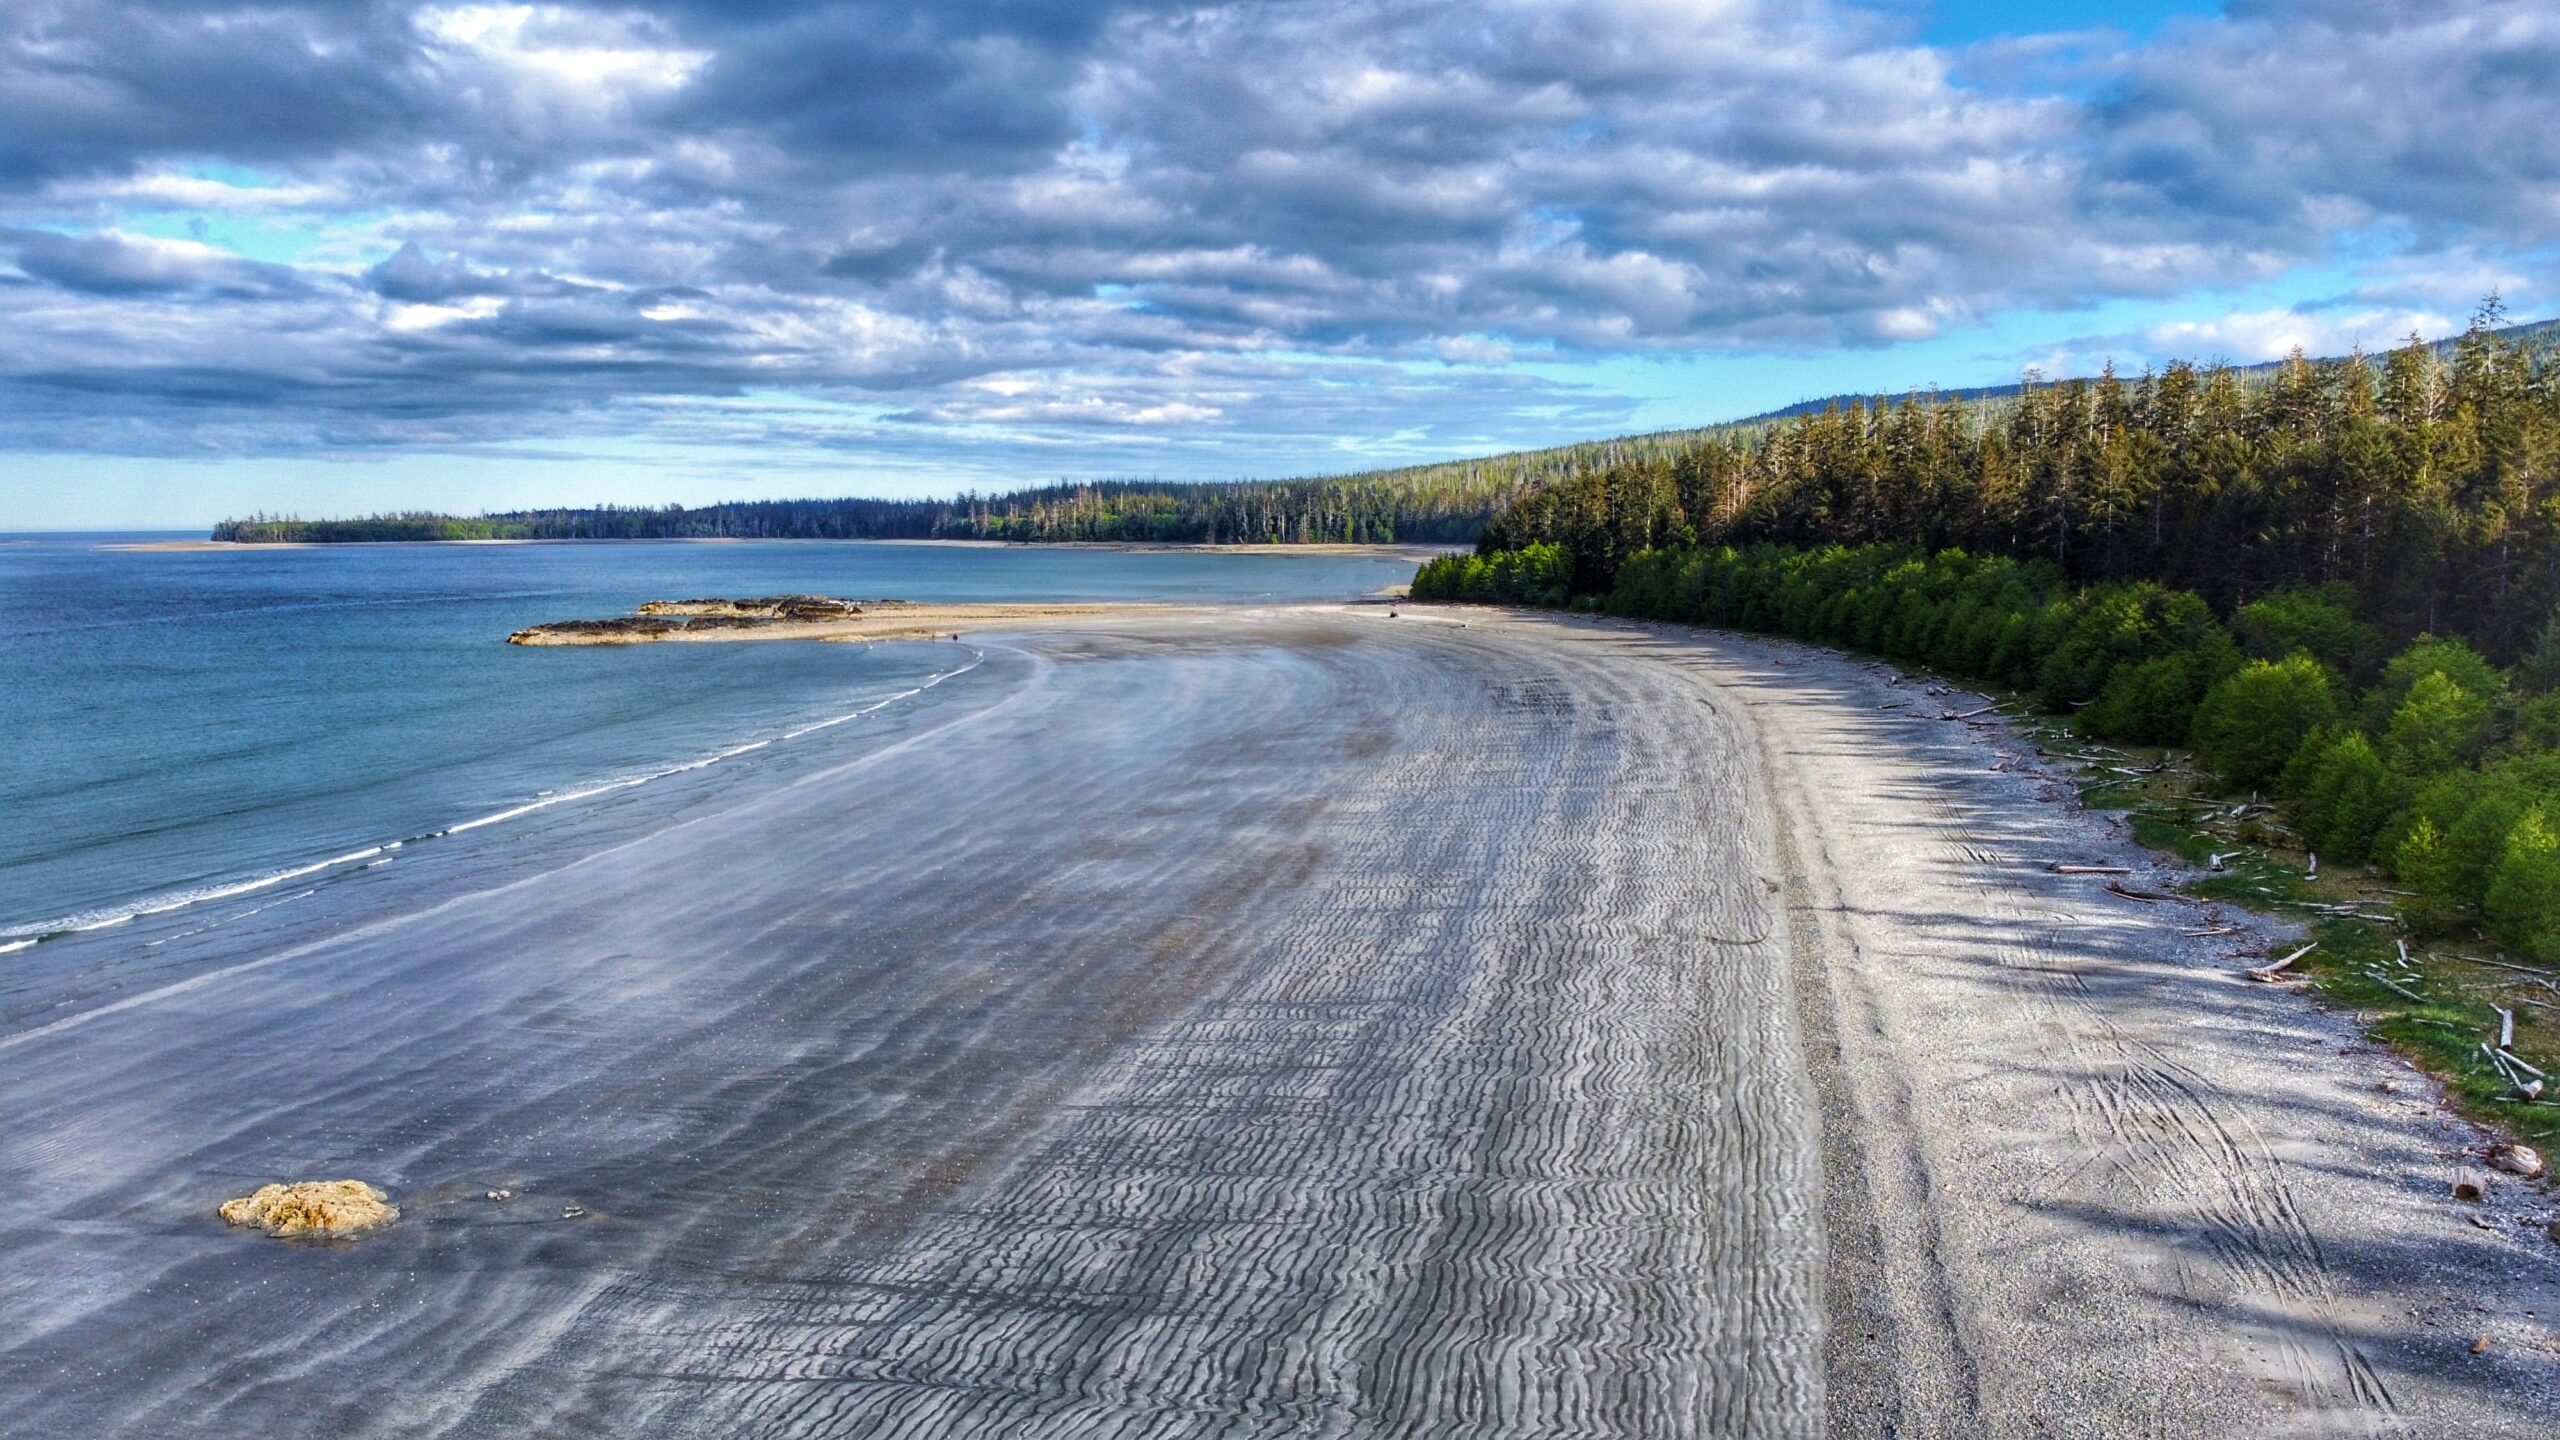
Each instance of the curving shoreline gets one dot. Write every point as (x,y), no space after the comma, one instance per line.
(1328,1015)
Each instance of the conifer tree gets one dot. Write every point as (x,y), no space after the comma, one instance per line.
(2522,905)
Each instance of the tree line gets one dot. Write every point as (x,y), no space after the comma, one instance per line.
(1439,503)
(1288,513)
(2337,584)
(2423,480)
(2014,449)
(1447,503)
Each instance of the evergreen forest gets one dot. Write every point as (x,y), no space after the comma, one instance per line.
(2339,583)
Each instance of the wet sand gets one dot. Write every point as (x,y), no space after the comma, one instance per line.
(1282,1022)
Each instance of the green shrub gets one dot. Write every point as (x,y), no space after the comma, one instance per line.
(2522,902)
(2249,727)
(2150,702)
(2537,727)
(2470,814)
(2118,626)
(2433,655)
(1964,614)
(2320,622)
(2420,862)
(1531,575)
(2436,728)
(1441,578)
(2341,795)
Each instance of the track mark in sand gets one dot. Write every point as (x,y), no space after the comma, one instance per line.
(2161,1130)
(1913,868)
(2156,1128)
(2148,1125)
(1923,1343)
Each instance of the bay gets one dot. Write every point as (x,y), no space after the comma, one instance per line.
(183,725)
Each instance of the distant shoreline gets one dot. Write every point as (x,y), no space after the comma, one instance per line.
(1415,553)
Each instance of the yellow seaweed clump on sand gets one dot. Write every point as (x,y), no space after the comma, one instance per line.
(313,1207)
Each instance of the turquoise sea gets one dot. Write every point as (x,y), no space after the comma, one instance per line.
(182,726)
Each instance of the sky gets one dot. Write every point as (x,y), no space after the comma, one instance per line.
(328,257)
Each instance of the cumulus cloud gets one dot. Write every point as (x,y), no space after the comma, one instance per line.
(111,265)
(2250,336)
(1120,227)
(2295,119)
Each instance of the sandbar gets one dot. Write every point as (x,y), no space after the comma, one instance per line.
(876,620)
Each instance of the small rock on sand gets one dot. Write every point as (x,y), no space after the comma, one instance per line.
(312,1207)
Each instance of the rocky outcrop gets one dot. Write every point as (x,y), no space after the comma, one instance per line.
(769,607)
(676,619)
(312,1207)
(622,630)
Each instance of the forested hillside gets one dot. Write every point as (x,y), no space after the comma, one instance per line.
(1443,503)
(1446,502)
(2424,482)
(1855,450)
(1448,505)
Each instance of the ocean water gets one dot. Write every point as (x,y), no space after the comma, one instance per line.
(183,726)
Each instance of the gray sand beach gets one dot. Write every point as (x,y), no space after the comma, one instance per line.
(1292,1022)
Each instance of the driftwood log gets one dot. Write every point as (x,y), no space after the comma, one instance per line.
(2269,972)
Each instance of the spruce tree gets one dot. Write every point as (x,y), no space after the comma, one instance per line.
(2522,906)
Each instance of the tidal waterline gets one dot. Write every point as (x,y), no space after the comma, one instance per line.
(196,725)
